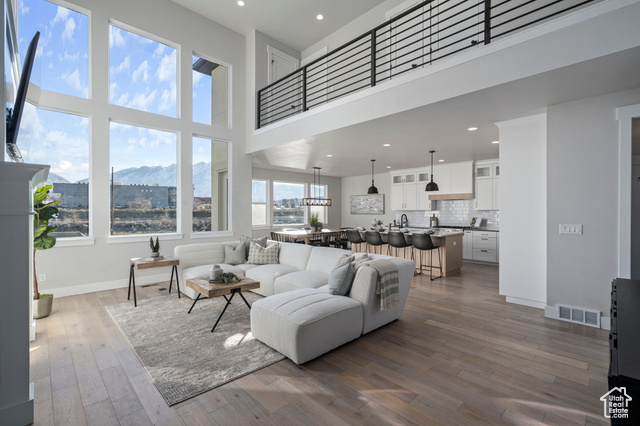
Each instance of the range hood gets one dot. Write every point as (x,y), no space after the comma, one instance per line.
(464,196)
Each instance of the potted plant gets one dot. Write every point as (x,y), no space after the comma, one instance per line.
(155,248)
(42,240)
(227,277)
(315,222)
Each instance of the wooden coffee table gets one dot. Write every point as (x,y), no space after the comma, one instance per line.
(207,289)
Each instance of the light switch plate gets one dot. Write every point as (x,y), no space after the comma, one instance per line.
(574,229)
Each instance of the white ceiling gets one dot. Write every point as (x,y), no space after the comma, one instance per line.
(442,126)
(293,22)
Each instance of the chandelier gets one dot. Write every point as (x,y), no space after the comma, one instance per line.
(315,200)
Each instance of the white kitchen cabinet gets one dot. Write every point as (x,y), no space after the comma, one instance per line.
(496,194)
(467,245)
(397,197)
(404,197)
(402,178)
(485,246)
(487,174)
(461,178)
(424,203)
(484,194)
(484,171)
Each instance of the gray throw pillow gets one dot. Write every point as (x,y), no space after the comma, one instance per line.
(341,279)
(344,259)
(263,256)
(262,241)
(235,255)
(361,260)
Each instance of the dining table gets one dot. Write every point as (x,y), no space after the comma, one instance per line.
(307,235)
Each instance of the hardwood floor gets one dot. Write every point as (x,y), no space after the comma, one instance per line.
(459,355)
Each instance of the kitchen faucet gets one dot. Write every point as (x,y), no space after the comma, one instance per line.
(404,222)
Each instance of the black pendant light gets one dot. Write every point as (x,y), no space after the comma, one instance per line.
(372,188)
(431,186)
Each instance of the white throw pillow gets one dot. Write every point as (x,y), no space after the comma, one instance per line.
(263,256)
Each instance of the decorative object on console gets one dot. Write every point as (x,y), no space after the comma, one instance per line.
(377,224)
(215,272)
(316,200)
(372,189)
(315,221)
(155,248)
(44,211)
(367,204)
(432,186)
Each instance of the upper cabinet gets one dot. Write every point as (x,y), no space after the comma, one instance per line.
(403,191)
(487,174)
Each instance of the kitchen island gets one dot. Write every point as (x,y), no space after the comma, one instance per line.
(449,241)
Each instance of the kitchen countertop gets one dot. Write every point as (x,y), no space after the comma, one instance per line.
(439,233)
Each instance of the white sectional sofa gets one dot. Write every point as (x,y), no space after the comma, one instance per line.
(299,317)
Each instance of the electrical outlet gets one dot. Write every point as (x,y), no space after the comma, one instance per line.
(42,277)
(574,229)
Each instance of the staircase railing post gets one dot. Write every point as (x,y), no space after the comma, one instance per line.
(373,58)
(258,101)
(304,88)
(487,21)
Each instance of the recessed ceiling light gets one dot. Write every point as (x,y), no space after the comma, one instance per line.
(471,129)
(442,161)
(388,167)
(495,142)
(387,144)
(240,3)
(329,155)
(319,17)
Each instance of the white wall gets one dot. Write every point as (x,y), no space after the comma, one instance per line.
(105,264)
(334,191)
(582,171)
(358,185)
(523,210)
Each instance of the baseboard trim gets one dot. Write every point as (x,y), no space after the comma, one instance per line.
(105,285)
(526,302)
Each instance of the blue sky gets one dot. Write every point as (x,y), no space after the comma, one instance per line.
(133,146)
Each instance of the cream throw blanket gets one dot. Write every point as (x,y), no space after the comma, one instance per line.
(388,286)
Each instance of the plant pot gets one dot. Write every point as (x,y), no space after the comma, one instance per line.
(319,227)
(227,279)
(155,254)
(42,307)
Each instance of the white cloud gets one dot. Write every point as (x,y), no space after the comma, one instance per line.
(23,9)
(64,165)
(115,37)
(61,15)
(124,65)
(168,98)
(142,101)
(197,76)
(123,99)
(159,50)
(50,65)
(69,28)
(167,68)
(143,70)
(73,79)
(49,53)
(67,57)
(113,88)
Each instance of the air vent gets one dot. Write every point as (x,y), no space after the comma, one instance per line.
(579,315)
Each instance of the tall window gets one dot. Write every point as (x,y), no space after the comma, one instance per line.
(142,73)
(287,203)
(143,188)
(210,92)
(210,185)
(63,49)
(259,202)
(319,191)
(61,140)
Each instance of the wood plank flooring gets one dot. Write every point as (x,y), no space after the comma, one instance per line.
(459,355)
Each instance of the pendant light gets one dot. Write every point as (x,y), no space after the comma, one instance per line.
(315,200)
(372,188)
(431,186)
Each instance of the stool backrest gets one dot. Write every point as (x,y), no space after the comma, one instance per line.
(373,238)
(422,242)
(354,236)
(396,239)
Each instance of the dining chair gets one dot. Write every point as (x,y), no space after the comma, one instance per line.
(354,237)
(423,242)
(397,240)
(373,240)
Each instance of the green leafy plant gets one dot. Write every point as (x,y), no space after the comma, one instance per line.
(154,247)
(315,218)
(42,238)
(226,277)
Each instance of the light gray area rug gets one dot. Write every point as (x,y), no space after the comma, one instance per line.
(178,350)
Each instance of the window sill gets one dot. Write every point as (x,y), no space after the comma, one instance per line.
(75,241)
(218,234)
(261,228)
(117,239)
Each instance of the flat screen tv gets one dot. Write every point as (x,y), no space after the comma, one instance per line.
(15,115)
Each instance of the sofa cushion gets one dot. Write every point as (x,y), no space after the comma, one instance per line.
(306,323)
(235,254)
(259,255)
(341,278)
(246,266)
(323,259)
(300,279)
(296,255)
(202,271)
(266,275)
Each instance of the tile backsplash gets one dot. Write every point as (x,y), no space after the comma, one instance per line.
(452,212)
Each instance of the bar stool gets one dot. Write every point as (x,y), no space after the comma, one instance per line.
(353,236)
(423,242)
(397,240)
(374,240)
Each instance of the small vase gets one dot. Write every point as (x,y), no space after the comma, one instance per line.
(155,254)
(319,227)
(215,272)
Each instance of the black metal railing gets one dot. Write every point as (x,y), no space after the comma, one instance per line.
(428,32)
